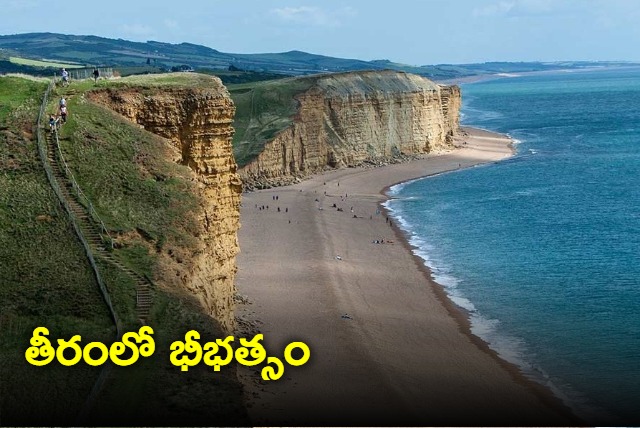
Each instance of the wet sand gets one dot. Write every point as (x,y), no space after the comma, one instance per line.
(387,346)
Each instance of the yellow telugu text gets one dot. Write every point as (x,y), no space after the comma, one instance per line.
(250,353)
(185,354)
(42,353)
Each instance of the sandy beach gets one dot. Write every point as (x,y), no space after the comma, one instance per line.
(387,346)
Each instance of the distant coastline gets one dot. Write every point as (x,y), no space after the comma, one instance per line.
(493,76)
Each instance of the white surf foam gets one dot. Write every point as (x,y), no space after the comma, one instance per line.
(508,347)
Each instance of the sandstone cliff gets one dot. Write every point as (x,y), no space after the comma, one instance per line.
(350,118)
(198,122)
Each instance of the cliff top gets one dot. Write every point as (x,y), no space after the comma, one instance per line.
(365,82)
(168,81)
(263,109)
(179,80)
(209,86)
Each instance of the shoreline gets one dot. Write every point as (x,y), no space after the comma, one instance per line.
(477,78)
(463,316)
(526,402)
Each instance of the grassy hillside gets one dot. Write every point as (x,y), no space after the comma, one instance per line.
(152,55)
(262,110)
(147,203)
(45,279)
(44,63)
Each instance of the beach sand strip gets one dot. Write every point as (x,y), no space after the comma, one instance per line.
(387,345)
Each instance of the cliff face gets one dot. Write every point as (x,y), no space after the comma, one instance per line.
(199,124)
(349,118)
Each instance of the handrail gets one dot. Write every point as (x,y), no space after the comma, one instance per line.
(42,150)
(79,193)
(54,184)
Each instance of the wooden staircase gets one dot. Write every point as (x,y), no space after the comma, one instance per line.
(92,233)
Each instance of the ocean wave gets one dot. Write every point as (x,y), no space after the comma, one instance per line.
(508,347)
(397,188)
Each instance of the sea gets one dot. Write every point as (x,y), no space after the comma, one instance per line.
(542,250)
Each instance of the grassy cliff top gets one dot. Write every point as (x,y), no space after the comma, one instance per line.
(180,79)
(369,82)
(263,109)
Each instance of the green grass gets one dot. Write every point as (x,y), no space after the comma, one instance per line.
(18,97)
(129,71)
(45,279)
(149,205)
(262,110)
(43,63)
(179,79)
(147,202)
(240,76)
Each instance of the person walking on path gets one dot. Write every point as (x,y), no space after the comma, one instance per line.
(96,74)
(53,122)
(65,77)
(63,114)
(63,102)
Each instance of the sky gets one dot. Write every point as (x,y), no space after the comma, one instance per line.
(415,32)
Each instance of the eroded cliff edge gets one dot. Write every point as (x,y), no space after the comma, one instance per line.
(350,118)
(198,123)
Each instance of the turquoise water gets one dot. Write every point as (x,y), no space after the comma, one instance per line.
(543,249)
